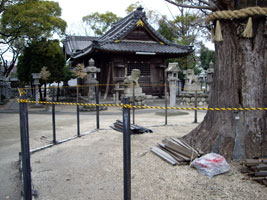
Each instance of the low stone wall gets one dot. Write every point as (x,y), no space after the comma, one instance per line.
(189,99)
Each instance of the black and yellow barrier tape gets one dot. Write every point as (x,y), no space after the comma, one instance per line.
(139,107)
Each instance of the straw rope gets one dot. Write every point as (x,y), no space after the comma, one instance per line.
(236,14)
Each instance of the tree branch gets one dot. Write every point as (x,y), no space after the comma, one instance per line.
(207,3)
(212,8)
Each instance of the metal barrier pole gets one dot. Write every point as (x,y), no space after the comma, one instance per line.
(126,150)
(78,122)
(25,151)
(78,112)
(195,121)
(133,103)
(166,104)
(97,107)
(53,117)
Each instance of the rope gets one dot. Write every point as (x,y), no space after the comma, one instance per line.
(236,14)
(94,85)
(139,107)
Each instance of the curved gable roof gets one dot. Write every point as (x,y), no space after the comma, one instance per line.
(114,39)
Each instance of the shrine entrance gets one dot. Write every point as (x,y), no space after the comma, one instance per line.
(144,67)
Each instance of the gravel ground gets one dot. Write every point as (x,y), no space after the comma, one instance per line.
(91,167)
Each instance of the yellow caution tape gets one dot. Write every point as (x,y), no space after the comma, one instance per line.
(140,107)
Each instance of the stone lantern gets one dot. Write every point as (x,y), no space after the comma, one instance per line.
(91,71)
(172,74)
(36,77)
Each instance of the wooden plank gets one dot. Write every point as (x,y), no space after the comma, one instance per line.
(178,148)
(261,167)
(261,173)
(181,142)
(179,158)
(165,156)
(253,162)
(258,178)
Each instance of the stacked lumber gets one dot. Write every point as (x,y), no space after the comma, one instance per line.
(256,169)
(134,129)
(176,151)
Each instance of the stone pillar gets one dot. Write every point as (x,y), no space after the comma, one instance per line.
(173,89)
(179,87)
(36,77)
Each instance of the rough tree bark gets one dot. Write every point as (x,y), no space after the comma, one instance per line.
(240,80)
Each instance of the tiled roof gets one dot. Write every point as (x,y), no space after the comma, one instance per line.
(74,44)
(143,47)
(113,40)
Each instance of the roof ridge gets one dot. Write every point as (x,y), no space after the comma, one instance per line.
(111,35)
(161,37)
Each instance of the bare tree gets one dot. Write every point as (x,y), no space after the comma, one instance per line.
(240,80)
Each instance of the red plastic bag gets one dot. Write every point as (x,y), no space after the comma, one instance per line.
(211,164)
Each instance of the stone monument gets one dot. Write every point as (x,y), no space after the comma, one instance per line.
(36,77)
(191,82)
(172,74)
(133,88)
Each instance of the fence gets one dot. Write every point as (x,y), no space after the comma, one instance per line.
(126,105)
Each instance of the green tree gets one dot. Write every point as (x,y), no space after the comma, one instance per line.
(100,23)
(183,30)
(25,21)
(167,29)
(5,3)
(206,56)
(38,54)
(68,74)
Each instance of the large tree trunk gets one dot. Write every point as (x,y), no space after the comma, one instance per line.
(240,80)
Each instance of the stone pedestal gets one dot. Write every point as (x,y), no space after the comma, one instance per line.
(138,94)
(191,82)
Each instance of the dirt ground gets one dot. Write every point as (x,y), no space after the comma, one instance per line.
(10,186)
(91,167)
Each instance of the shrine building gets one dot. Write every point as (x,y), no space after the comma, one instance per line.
(131,43)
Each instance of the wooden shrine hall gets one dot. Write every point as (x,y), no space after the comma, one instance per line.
(131,43)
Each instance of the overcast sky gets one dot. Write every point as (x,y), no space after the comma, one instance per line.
(73,11)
